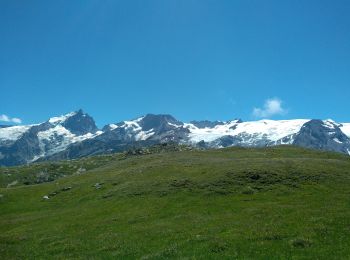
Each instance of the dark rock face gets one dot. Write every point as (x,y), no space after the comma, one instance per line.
(159,123)
(242,139)
(165,127)
(318,135)
(25,148)
(226,141)
(28,147)
(80,124)
(206,123)
(95,147)
(171,135)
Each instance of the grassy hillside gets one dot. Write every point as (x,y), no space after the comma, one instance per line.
(273,203)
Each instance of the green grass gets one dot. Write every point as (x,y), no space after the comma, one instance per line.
(274,203)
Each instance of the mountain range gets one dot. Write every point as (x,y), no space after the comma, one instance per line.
(76,135)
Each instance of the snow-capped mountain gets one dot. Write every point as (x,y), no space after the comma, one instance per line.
(24,144)
(75,135)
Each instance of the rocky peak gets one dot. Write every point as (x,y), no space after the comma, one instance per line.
(158,122)
(80,123)
(324,135)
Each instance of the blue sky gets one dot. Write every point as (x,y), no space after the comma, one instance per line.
(194,59)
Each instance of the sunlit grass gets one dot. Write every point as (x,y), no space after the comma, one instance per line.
(272,203)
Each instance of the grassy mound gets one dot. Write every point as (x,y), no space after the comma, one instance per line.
(281,202)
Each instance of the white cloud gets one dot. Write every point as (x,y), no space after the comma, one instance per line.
(16,120)
(272,107)
(5,118)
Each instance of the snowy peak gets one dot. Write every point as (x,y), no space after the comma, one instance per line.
(78,122)
(146,127)
(23,144)
(324,135)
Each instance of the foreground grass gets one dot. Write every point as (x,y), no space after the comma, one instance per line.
(273,203)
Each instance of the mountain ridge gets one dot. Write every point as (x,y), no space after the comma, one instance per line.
(76,135)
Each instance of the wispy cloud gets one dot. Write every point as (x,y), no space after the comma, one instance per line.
(272,107)
(5,118)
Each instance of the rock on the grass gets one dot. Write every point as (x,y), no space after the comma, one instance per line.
(97,185)
(46,197)
(12,184)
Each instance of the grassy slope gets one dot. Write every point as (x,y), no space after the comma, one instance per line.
(281,202)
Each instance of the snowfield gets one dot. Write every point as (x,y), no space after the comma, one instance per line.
(13,133)
(61,119)
(134,129)
(270,129)
(345,128)
(58,138)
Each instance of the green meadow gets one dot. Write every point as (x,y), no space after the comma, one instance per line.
(235,203)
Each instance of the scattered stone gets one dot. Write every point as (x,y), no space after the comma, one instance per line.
(301,242)
(46,197)
(42,176)
(66,188)
(80,171)
(97,185)
(12,184)
(105,196)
